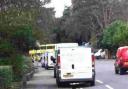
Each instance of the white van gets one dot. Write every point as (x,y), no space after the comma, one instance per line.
(61,45)
(75,65)
(48,62)
(42,58)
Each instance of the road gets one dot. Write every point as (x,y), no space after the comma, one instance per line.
(105,78)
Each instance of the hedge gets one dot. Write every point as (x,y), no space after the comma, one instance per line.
(6,77)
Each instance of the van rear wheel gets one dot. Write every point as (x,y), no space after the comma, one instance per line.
(92,83)
(46,67)
(54,73)
(59,84)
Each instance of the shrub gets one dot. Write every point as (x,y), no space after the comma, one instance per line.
(20,65)
(5,77)
(17,64)
(5,61)
(28,65)
(6,49)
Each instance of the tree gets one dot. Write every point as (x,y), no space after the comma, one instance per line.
(94,16)
(18,22)
(46,23)
(115,35)
(19,31)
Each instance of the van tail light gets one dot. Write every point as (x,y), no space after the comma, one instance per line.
(93,60)
(58,59)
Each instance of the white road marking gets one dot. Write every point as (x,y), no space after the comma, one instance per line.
(77,88)
(99,81)
(109,87)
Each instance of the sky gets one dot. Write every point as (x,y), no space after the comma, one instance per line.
(59,6)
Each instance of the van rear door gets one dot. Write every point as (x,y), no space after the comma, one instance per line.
(75,63)
(50,62)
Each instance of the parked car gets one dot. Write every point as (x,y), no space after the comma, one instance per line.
(100,54)
(75,65)
(121,63)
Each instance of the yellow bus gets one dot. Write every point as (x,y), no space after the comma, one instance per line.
(36,53)
(50,47)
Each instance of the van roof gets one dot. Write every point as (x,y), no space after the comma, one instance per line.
(66,45)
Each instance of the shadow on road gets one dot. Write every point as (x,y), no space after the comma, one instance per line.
(41,86)
(76,86)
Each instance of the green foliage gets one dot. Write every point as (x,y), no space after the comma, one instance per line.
(28,65)
(121,35)
(5,61)
(115,35)
(24,23)
(20,65)
(19,30)
(17,64)
(18,23)
(6,49)
(23,38)
(6,77)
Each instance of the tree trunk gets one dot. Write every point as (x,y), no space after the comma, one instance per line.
(108,54)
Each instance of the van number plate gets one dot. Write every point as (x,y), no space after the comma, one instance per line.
(68,75)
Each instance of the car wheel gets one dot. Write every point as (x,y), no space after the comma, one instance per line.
(116,71)
(42,65)
(54,73)
(121,71)
(46,67)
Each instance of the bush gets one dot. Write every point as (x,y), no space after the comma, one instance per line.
(28,65)
(5,61)
(5,77)
(17,64)
(6,49)
(21,66)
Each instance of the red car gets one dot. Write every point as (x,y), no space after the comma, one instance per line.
(121,63)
